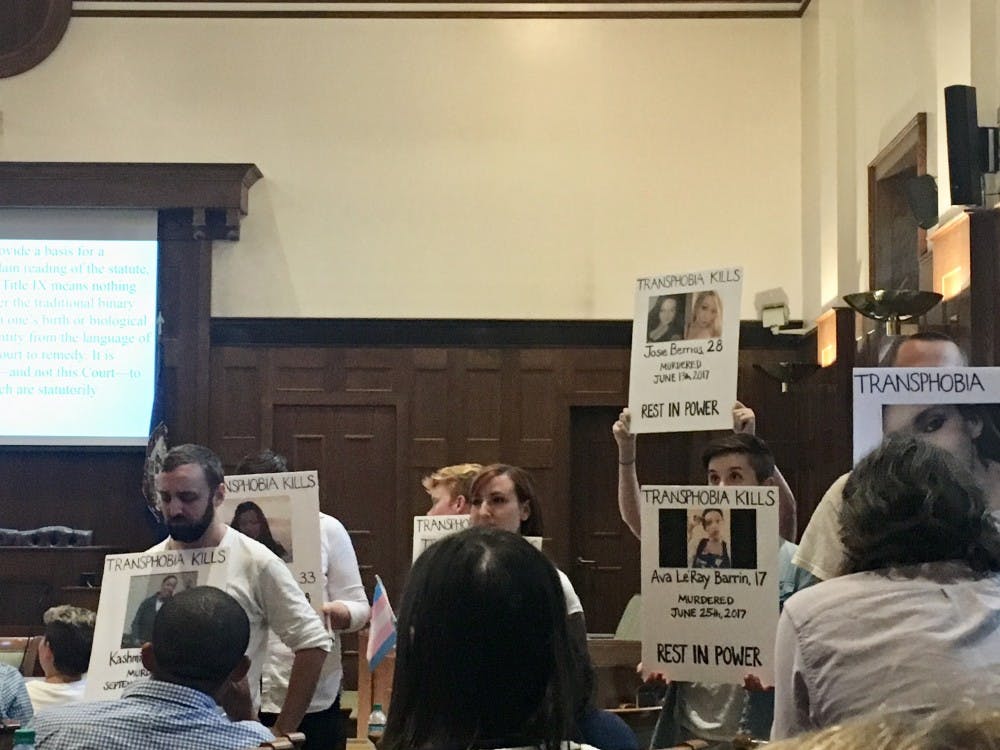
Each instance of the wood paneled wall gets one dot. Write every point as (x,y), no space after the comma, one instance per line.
(377,407)
(375,421)
(376,417)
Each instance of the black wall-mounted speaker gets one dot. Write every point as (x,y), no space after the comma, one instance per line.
(922,197)
(962,123)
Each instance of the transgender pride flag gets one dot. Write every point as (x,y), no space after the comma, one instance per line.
(382,636)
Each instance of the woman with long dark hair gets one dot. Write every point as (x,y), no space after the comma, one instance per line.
(249,519)
(504,497)
(665,321)
(482,657)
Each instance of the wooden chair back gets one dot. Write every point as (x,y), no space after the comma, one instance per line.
(21,652)
(289,741)
(7,729)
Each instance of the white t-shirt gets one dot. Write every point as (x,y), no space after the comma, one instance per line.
(46,694)
(820,550)
(573,605)
(266,590)
(342,582)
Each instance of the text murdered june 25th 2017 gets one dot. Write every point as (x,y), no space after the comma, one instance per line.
(67,314)
(709,581)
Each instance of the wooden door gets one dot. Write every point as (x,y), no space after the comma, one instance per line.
(604,556)
(354,450)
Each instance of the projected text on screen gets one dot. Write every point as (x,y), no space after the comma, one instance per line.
(77,341)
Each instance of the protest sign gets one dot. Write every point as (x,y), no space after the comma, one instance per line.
(133,588)
(685,342)
(709,568)
(428,529)
(282,512)
(957,409)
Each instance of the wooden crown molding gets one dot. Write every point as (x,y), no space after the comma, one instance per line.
(216,195)
(485,9)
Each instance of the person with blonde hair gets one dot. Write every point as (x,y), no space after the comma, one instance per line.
(64,654)
(449,489)
(962,726)
(706,316)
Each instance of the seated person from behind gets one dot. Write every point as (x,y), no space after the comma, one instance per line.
(197,653)
(716,713)
(449,488)
(961,726)
(820,551)
(483,658)
(504,497)
(15,705)
(912,624)
(64,655)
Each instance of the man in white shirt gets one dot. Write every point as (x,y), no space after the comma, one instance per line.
(346,609)
(189,489)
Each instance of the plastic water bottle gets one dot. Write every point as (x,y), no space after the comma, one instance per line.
(24,739)
(376,725)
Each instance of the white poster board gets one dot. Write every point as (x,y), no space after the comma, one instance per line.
(685,342)
(130,588)
(429,529)
(955,408)
(709,582)
(289,503)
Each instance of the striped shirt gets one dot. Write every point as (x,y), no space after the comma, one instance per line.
(15,705)
(152,715)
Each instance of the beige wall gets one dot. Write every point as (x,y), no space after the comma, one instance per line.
(869,66)
(467,168)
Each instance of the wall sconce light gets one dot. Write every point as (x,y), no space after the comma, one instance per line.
(828,355)
(826,338)
(952,282)
(892,305)
(787,373)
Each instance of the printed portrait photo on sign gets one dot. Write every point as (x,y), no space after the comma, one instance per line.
(146,594)
(269,521)
(678,317)
(708,538)
(704,315)
(666,317)
(968,431)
